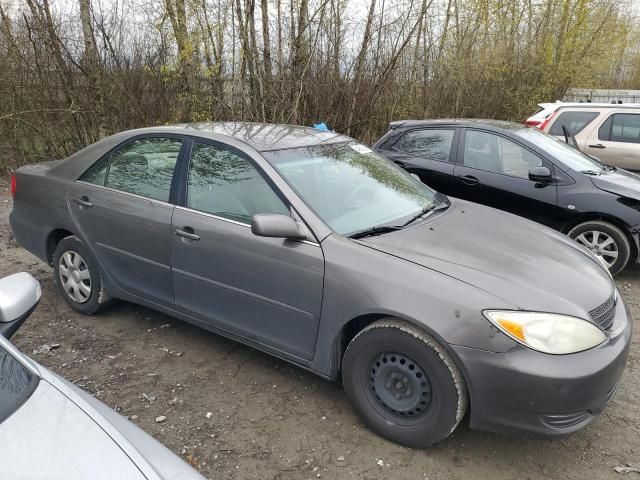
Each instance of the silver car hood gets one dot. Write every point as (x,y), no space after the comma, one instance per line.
(50,438)
(62,432)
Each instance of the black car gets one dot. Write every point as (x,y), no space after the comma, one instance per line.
(521,170)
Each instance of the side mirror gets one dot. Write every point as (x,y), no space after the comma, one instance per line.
(19,295)
(539,174)
(276,225)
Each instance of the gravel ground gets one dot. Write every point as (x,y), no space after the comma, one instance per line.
(236,413)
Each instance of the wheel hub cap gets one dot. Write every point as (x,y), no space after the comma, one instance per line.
(400,385)
(75,276)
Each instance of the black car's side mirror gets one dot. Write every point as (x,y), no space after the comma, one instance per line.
(540,174)
(276,225)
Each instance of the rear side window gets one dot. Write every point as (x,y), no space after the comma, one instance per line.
(621,127)
(144,167)
(574,121)
(433,144)
(16,384)
(227,185)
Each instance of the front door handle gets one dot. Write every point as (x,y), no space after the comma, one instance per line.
(597,145)
(468,179)
(187,232)
(83,201)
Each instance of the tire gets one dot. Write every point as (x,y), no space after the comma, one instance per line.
(389,351)
(609,238)
(74,264)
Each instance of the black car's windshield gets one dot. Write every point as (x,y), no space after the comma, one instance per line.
(16,384)
(352,188)
(564,153)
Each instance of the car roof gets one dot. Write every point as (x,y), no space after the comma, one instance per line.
(557,105)
(261,136)
(459,122)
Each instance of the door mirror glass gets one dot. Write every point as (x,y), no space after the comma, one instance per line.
(539,174)
(276,226)
(19,294)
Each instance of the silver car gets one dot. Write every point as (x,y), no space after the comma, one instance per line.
(50,429)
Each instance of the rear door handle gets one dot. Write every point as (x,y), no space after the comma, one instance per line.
(468,179)
(83,201)
(597,145)
(187,232)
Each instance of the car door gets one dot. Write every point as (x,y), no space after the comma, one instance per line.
(617,140)
(428,153)
(268,290)
(122,207)
(494,170)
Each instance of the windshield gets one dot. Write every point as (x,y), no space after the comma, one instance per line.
(351,187)
(566,154)
(16,384)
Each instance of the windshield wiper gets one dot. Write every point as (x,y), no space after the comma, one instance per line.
(379,230)
(591,172)
(426,210)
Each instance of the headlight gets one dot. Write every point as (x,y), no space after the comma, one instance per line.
(547,332)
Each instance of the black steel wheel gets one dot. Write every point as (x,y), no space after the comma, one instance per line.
(403,384)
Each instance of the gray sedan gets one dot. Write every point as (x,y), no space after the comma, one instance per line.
(50,429)
(312,247)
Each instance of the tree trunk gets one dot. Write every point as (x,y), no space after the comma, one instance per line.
(360,67)
(93,68)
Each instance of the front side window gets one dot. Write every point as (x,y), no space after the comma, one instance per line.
(621,127)
(350,187)
(225,184)
(560,151)
(574,121)
(16,384)
(493,153)
(433,144)
(143,167)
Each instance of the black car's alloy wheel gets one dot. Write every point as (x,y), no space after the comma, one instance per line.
(606,241)
(78,277)
(403,384)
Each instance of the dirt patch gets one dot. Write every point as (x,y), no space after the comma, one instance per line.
(233,412)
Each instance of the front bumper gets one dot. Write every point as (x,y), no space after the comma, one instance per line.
(524,391)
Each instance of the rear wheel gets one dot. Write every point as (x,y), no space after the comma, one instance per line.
(606,241)
(78,277)
(403,384)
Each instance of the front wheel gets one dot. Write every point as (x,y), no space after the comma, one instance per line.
(403,384)
(606,241)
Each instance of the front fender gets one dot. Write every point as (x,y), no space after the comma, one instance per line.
(361,281)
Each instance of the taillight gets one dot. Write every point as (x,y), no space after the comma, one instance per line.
(14,185)
(532,123)
(544,124)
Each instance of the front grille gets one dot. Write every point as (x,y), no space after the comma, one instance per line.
(603,315)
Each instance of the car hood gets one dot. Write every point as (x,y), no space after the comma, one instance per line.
(62,432)
(50,438)
(620,182)
(526,264)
